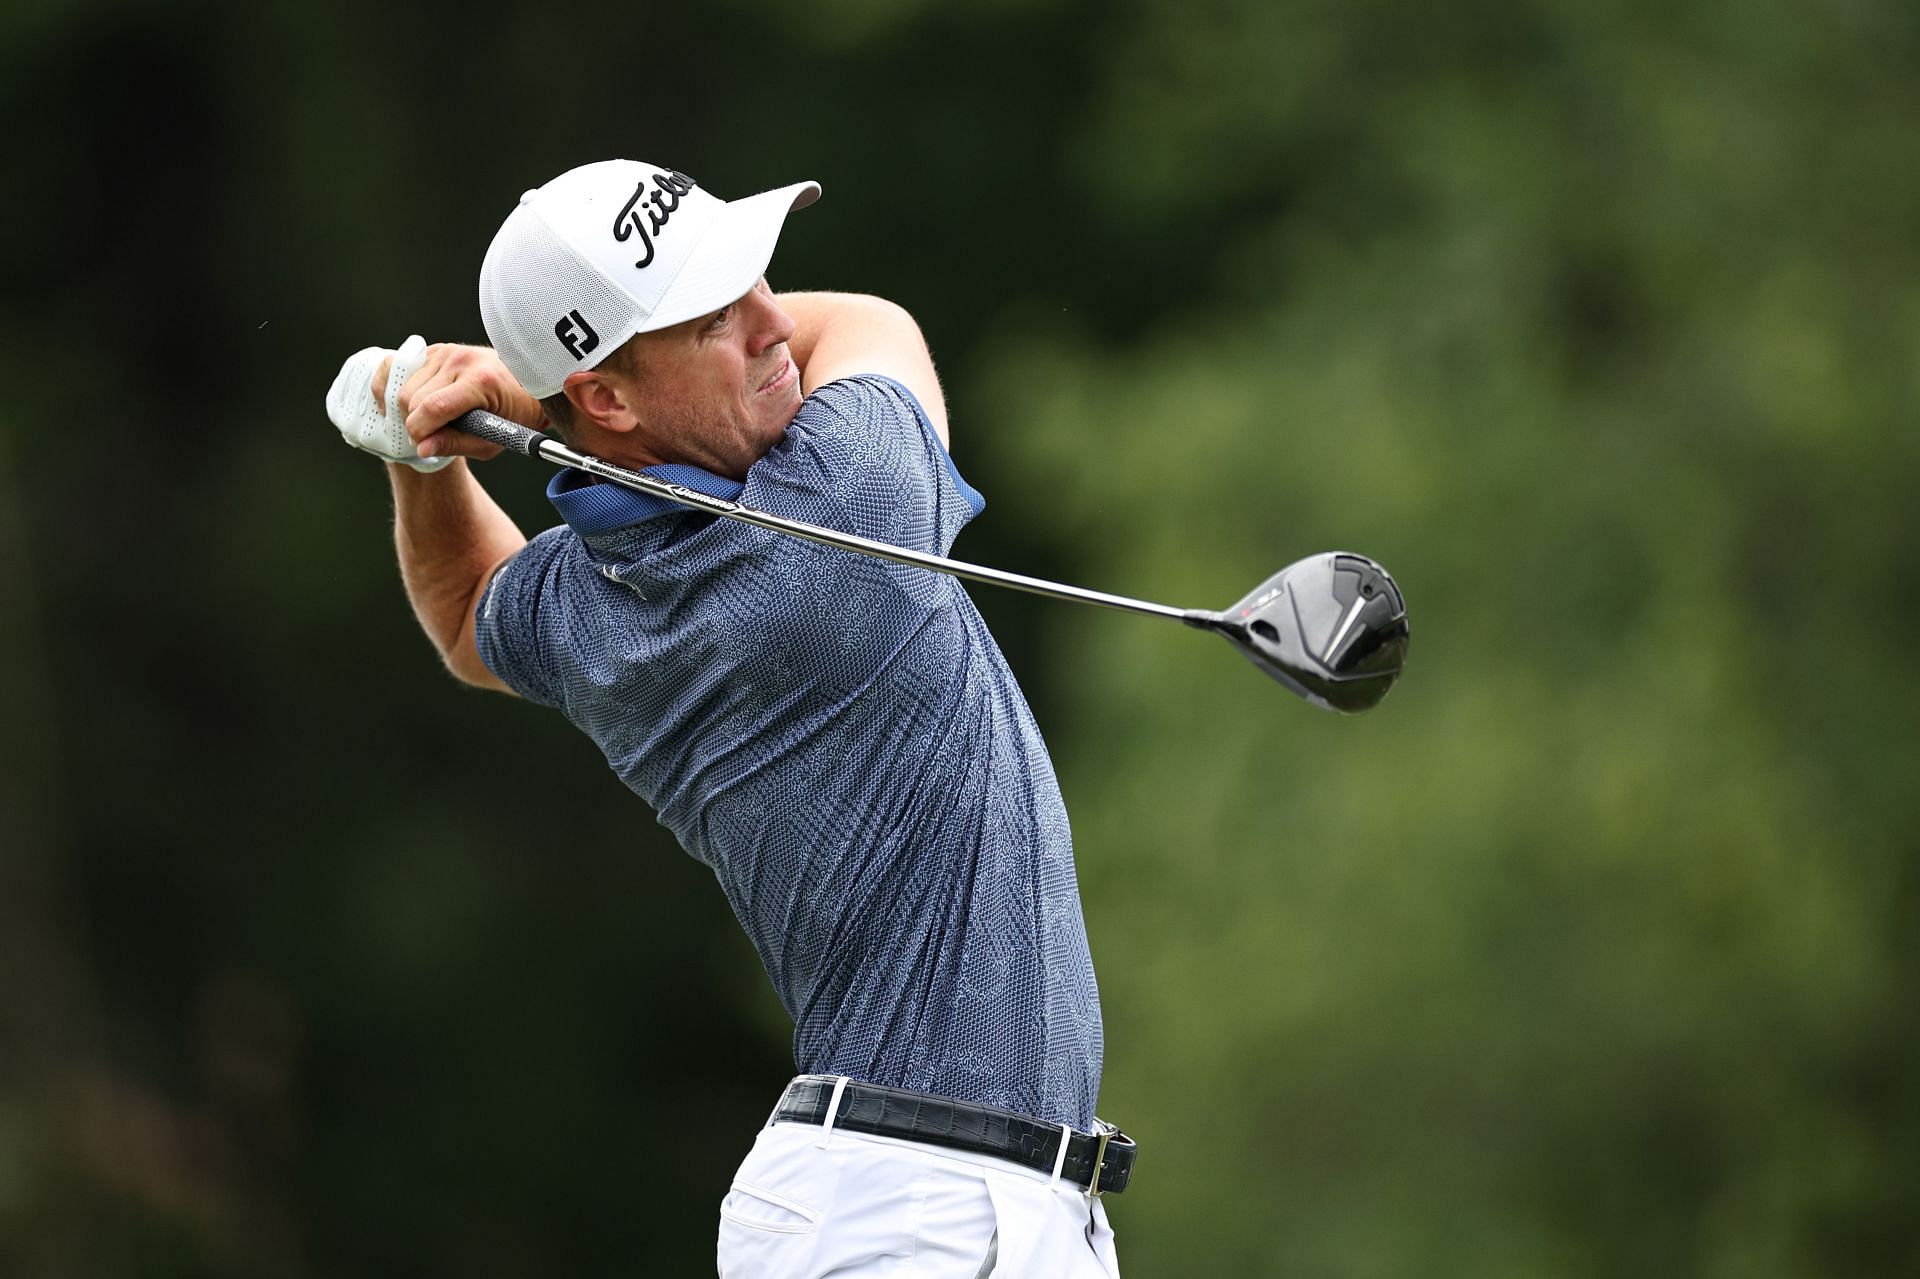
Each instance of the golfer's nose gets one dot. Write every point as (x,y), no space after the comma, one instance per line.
(770,324)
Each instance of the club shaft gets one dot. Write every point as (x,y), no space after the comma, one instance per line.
(546,447)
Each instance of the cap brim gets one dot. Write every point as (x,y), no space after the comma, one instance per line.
(731,257)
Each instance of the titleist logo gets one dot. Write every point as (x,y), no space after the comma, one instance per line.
(658,205)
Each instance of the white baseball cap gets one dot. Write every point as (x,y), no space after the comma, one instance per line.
(616,248)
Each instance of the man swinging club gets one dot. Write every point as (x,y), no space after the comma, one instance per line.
(837,737)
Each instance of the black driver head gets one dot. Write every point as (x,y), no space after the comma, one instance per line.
(1332,627)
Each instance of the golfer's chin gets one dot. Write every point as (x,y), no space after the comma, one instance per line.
(756,436)
(778,407)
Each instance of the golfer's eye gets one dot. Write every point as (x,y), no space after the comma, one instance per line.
(720,318)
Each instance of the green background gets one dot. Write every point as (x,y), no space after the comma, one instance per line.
(1590,953)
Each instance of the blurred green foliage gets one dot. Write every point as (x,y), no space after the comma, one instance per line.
(1591,953)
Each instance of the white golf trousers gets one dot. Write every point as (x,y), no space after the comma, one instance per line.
(810,1201)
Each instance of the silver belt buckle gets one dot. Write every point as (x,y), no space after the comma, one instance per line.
(1099,1161)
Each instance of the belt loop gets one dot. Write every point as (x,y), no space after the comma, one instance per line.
(833,1109)
(1060,1160)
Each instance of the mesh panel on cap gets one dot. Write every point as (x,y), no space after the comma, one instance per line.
(531,282)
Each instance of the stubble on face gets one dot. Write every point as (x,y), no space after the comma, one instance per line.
(718,391)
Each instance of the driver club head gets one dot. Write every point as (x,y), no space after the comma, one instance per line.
(1331,627)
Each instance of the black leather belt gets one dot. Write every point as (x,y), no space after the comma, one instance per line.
(1098,1162)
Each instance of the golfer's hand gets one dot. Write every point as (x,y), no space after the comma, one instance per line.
(453,380)
(354,405)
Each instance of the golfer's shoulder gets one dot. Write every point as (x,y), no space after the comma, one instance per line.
(848,431)
(863,403)
(553,562)
(551,549)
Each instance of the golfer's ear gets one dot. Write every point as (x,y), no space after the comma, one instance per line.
(599,401)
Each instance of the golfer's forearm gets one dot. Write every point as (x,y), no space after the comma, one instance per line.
(450,536)
(828,324)
(813,314)
(837,334)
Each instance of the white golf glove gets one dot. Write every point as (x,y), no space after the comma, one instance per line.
(362,422)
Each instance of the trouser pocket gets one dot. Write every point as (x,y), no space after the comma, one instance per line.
(764,1235)
(760,1209)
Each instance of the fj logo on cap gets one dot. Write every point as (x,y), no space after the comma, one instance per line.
(576,334)
(657,204)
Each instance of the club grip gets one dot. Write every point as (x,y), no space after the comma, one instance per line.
(497,430)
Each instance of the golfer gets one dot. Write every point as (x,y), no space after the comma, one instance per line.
(837,737)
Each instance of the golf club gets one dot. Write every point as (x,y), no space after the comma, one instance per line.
(1331,628)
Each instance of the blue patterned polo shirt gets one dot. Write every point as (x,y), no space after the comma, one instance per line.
(839,739)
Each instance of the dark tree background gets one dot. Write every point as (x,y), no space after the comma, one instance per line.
(1591,953)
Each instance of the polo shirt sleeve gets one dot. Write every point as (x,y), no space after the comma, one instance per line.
(862,456)
(515,612)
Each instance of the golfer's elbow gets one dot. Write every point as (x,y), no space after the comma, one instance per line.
(464,664)
(448,619)
(461,652)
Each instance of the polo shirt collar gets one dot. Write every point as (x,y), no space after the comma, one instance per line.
(591,505)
